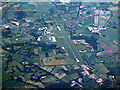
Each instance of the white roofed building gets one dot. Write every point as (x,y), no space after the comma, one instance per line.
(53,39)
(65,1)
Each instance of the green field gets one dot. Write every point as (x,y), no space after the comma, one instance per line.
(43,9)
(111,35)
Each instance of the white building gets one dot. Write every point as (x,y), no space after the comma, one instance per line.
(6,26)
(77,60)
(90,28)
(39,38)
(16,23)
(42,28)
(59,28)
(65,1)
(53,39)
(96,20)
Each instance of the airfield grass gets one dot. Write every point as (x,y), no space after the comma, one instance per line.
(61,42)
(111,35)
(42,9)
(71,44)
(101,68)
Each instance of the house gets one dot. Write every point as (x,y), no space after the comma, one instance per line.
(85,67)
(59,28)
(47,32)
(34,42)
(16,23)
(113,8)
(85,73)
(27,20)
(18,5)
(76,67)
(63,47)
(42,28)
(36,51)
(60,76)
(94,29)
(63,67)
(90,28)
(44,68)
(52,39)
(111,77)
(48,21)
(82,51)
(80,80)
(93,76)
(39,38)
(99,80)
(6,26)
(77,60)
(49,69)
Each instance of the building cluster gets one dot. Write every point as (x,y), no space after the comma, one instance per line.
(113,8)
(101,12)
(95,29)
(87,71)
(48,37)
(82,42)
(99,15)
